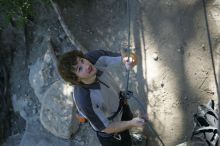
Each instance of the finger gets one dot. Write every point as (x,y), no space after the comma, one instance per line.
(140,123)
(138,113)
(128,65)
(125,59)
(131,59)
(142,120)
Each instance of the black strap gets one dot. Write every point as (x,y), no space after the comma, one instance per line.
(212,114)
(205,130)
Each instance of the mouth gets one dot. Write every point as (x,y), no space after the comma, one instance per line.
(90,69)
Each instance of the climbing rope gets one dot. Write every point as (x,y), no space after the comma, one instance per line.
(210,47)
(211,50)
(129,42)
(128,93)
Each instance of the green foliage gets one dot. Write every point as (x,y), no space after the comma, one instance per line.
(19,11)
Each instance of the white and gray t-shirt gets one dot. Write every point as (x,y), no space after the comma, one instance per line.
(100,100)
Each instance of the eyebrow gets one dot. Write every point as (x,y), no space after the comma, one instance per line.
(75,67)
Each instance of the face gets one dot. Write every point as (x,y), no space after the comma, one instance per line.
(85,70)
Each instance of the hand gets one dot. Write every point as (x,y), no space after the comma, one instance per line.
(137,122)
(141,115)
(129,64)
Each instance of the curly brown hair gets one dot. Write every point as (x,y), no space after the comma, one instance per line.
(65,66)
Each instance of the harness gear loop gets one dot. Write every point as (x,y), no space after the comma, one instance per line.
(117,136)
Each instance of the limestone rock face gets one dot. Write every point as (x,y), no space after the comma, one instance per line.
(36,135)
(58,111)
(43,73)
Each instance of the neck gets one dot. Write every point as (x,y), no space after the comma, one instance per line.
(89,80)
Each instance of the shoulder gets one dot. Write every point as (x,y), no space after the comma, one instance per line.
(81,95)
(80,90)
(93,56)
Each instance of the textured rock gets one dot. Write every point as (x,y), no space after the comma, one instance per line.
(36,135)
(43,72)
(58,111)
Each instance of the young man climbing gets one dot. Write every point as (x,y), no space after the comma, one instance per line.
(97,96)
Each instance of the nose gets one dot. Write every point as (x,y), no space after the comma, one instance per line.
(87,67)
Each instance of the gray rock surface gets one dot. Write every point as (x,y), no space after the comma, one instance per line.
(58,111)
(36,135)
(14,140)
(43,73)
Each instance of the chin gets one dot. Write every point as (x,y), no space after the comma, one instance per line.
(94,73)
(95,70)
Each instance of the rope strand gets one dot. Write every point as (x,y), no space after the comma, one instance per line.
(129,39)
(211,50)
(128,73)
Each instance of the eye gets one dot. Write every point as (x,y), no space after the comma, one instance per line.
(79,69)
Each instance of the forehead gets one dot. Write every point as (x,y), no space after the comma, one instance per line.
(76,63)
(78,60)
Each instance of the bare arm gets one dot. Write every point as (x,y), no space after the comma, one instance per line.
(123,125)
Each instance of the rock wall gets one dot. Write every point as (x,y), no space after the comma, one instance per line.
(58,111)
